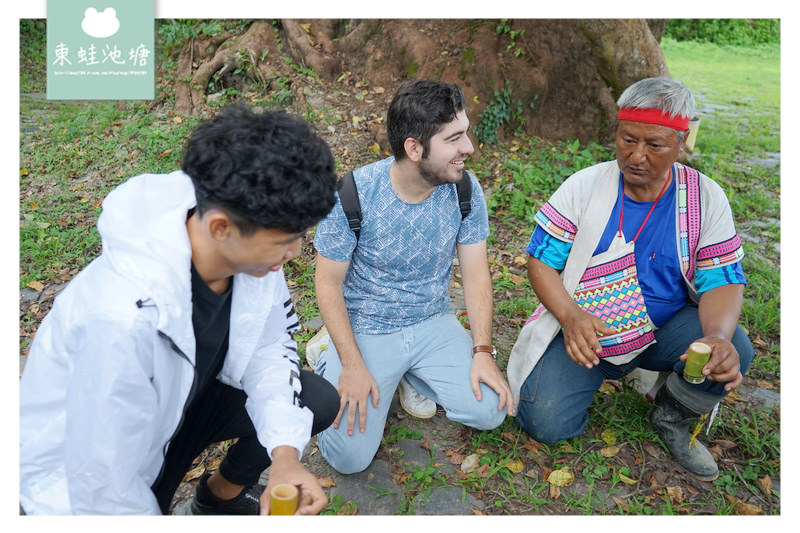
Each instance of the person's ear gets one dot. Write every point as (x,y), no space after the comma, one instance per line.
(414,149)
(220,225)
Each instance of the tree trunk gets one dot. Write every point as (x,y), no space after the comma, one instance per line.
(560,78)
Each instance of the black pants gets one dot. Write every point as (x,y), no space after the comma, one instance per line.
(219,415)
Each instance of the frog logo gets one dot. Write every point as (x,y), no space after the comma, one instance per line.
(100,25)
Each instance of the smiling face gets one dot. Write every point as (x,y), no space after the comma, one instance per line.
(448,150)
(645,154)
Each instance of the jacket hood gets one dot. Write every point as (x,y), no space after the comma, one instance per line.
(143,230)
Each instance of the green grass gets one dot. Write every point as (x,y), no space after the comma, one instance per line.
(738,96)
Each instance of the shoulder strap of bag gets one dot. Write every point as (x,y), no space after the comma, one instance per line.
(348,194)
(464,188)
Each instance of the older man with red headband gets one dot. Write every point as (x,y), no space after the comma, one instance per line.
(633,260)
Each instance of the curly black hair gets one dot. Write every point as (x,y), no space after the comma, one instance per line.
(419,110)
(265,170)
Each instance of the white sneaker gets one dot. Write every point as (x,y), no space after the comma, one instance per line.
(316,345)
(415,403)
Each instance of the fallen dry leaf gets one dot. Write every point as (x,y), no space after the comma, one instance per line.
(531,474)
(518,280)
(628,481)
(214,465)
(510,437)
(676,495)
(35,285)
(764,384)
(692,490)
(742,508)
(766,485)
(484,470)
(725,443)
(194,473)
(561,478)
(456,459)
(477,512)
(326,482)
(470,463)
(533,446)
(622,503)
(425,445)
(609,451)
(607,388)
(652,450)
(520,261)
(515,466)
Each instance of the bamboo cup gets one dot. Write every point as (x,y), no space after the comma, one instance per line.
(283,499)
(698,355)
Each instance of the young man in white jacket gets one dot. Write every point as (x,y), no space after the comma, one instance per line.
(179,335)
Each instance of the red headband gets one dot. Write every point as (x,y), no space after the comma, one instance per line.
(654,116)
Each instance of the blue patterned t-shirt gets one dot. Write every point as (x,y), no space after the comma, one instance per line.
(400,269)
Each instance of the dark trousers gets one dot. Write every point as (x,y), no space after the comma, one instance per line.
(219,415)
(555,397)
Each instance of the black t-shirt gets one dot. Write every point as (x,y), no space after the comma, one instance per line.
(211,318)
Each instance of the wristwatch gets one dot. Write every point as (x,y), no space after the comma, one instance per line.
(491,350)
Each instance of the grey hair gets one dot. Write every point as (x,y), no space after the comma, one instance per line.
(667,94)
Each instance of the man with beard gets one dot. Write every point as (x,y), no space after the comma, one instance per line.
(383,293)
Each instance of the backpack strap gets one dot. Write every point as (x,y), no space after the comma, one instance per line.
(348,195)
(464,188)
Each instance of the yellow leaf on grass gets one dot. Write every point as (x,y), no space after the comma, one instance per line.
(214,465)
(561,478)
(609,436)
(518,280)
(628,481)
(374,148)
(515,466)
(35,285)
(177,120)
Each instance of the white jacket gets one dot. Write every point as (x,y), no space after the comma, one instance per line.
(109,372)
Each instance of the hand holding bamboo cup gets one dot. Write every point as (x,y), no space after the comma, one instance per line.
(283,499)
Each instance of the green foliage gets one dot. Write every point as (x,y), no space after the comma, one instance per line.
(504,28)
(401,432)
(535,170)
(32,55)
(175,33)
(742,32)
(500,112)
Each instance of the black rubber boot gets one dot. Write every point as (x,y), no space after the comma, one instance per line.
(205,503)
(677,415)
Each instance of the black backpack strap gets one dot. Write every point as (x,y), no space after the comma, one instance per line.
(348,194)
(464,188)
